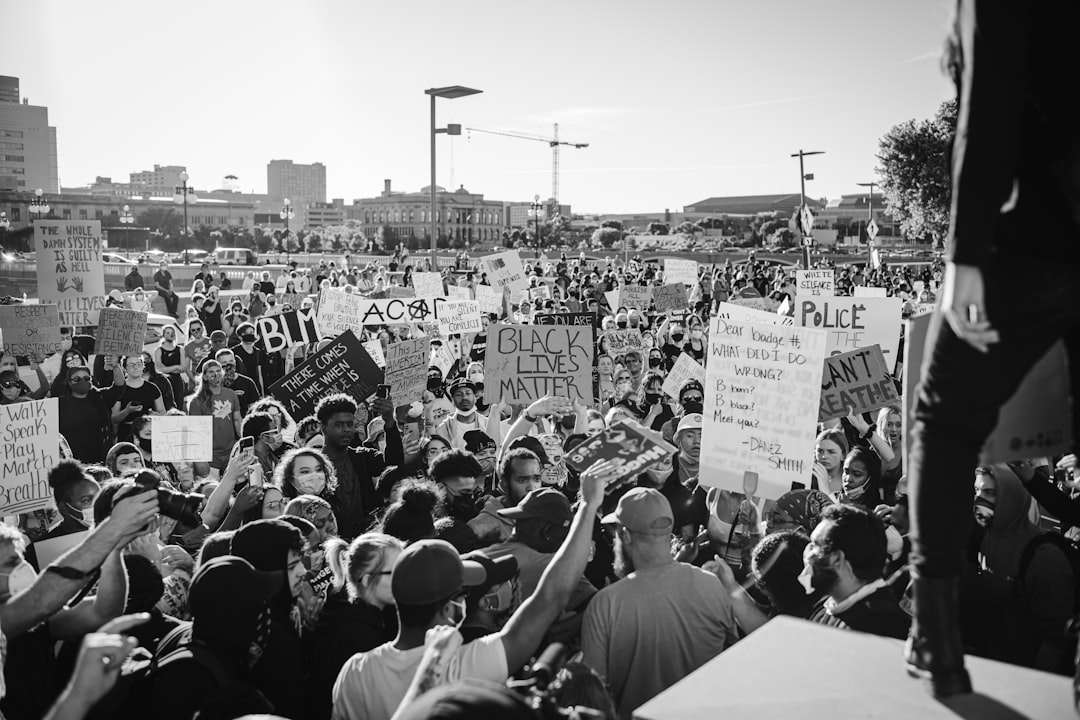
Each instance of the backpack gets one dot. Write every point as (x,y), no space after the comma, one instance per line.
(132,696)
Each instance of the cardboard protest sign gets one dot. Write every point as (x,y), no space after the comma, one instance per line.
(527,362)
(459,316)
(685,369)
(375,352)
(30,330)
(397,291)
(182,438)
(489,299)
(342,366)
(50,549)
(340,311)
(680,271)
(505,270)
(120,332)
(428,284)
(854,323)
(1035,421)
(635,296)
(406,369)
(741,313)
(621,340)
(457,292)
(31,448)
(762,389)
(670,297)
(583,319)
(279,332)
(443,358)
(540,292)
(815,283)
(856,382)
(70,270)
(612,297)
(865,291)
(631,445)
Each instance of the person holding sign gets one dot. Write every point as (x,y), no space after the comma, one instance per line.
(214,399)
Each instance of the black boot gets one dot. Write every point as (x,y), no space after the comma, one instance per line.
(935,649)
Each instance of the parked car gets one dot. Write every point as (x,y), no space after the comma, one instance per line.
(193,256)
(114,258)
(235,256)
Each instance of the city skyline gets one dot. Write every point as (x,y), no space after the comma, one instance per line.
(706,99)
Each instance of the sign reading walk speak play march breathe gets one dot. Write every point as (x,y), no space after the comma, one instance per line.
(342,366)
(528,362)
(856,382)
(30,449)
(120,331)
(762,387)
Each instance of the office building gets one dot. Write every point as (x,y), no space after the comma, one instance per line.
(162,181)
(460,216)
(302,184)
(27,143)
(9,89)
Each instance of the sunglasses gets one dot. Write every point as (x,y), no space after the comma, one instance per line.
(10,384)
(80,379)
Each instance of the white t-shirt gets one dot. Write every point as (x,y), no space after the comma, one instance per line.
(371,685)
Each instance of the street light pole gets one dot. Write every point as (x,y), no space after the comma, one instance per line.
(536,205)
(181,196)
(126,218)
(803,177)
(869,219)
(450,92)
(286,214)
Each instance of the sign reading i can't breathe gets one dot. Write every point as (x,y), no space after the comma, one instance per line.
(528,362)
(856,382)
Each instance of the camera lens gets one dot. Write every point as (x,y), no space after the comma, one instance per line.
(180,506)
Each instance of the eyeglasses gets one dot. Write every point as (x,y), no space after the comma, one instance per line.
(692,398)
(80,378)
(228,366)
(135,363)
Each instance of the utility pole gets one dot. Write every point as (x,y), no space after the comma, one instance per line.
(803,177)
(869,219)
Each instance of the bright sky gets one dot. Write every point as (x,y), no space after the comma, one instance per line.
(679,100)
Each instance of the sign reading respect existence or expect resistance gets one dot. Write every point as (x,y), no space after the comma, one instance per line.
(524,363)
(70,271)
(29,449)
(30,330)
(762,390)
(121,331)
(342,366)
(853,323)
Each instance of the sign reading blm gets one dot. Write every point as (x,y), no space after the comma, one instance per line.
(528,362)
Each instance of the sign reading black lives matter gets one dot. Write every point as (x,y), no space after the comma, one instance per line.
(528,362)
(342,366)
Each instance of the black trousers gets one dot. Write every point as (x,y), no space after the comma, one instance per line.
(1033,300)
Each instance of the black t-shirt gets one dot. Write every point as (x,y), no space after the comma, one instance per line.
(146,395)
(251,361)
(479,347)
(163,278)
(246,391)
(82,423)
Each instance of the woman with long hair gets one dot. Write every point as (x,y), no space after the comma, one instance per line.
(69,359)
(830,449)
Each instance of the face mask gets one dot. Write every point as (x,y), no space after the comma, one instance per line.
(806,579)
(312,484)
(622,325)
(654,362)
(248,338)
(21,578)
(984,512)
(435,386)
(652,398)
(691,408)
(477,377)
(145,444)
(696,334)
(568,422)
(856,493)
(677,337)
(87,514)
(458,614)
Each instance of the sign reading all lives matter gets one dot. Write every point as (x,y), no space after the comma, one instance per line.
(121,331)
(30,442)
(856,382)
(70,270)
(182,438)
(815,283)
(854,323)
(287,330)
(407,365)
(762,386)
(30,330)
(528,362)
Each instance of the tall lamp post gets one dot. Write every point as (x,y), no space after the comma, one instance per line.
(287,214)
(450,92)
(39,206)
(126,218)
(869,219)
(536,206)
(803,177)
(183,192)
(5,225)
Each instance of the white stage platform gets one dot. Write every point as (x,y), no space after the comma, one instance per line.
(794,670)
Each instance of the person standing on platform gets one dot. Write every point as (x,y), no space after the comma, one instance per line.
(1015,222)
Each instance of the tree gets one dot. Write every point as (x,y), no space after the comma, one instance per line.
(658,228)
(165,220)
(914,173)
(264,241)
(606,236)
(687,228)
(387,238)
(614,224)
(314,242)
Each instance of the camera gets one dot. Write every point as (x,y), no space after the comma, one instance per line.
(182,507)
(535,688)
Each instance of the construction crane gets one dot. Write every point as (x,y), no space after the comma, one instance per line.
(554,142)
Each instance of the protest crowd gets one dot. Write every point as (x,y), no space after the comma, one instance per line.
(526,487)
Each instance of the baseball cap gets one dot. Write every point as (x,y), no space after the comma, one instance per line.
(221,577)
(547,504)
(691,385)
(432,571)
(689,422)
(469,700)
(642,510)
(461,383)
(531,442)
(218,336)
(478,441)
